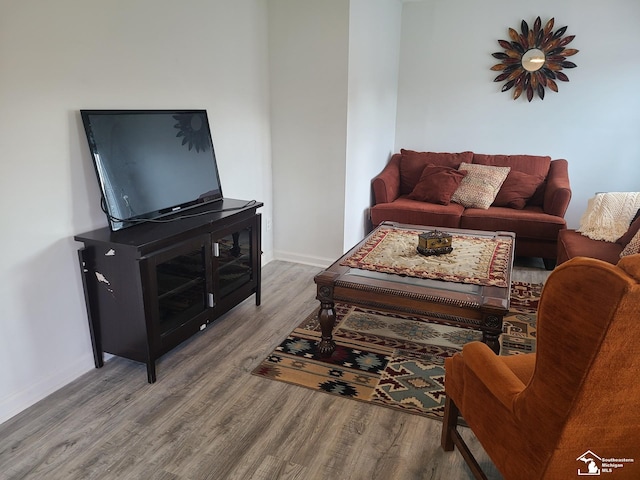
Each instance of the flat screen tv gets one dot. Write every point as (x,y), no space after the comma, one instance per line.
(151,163)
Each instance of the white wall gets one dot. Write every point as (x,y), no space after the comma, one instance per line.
(59,57)
(447,99)
(334,70)
(308,48)
(374,47)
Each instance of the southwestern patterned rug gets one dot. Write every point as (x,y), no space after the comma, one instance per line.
(390,359)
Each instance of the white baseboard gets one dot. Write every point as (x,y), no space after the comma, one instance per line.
(40,388)
(265,258)
(304,259)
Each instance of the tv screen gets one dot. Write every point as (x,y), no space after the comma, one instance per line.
(151,163)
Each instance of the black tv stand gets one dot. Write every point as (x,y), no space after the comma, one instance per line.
(151,286)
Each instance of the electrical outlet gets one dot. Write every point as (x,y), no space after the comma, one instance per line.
(268,224)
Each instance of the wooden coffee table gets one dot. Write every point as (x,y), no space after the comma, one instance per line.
(481,307)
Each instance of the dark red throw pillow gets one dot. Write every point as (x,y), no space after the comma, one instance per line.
(412,164)
(437,184)
(517,189)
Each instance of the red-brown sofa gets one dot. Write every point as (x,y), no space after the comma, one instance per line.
(536,225)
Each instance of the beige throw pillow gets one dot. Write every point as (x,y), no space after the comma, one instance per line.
(632,247)
(481,185)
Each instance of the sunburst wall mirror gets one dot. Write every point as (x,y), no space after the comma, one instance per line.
(534,58)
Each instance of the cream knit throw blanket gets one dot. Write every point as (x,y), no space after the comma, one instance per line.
(608,215)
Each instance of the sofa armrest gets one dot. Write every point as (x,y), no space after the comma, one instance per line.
(489,368)
(558,190)
(386,186)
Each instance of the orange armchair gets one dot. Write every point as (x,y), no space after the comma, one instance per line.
(572,406)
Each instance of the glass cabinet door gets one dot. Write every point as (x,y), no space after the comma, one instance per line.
(182,288)
(233,256)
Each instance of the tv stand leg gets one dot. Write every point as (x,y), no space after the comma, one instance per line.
(98,359)
(94,327)
(151,372)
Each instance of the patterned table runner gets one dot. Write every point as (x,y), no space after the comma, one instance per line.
(474,260)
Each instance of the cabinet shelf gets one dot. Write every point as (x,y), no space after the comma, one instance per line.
(184,285)
(180,318)
(240,264)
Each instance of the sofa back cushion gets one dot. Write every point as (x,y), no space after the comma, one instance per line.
(530,164)
(412,165)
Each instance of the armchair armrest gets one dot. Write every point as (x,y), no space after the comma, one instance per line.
(386,186)
(558,191)
(489,368)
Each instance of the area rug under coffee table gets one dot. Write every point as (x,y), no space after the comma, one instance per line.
(392,360)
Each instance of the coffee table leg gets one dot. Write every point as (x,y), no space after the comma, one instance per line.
(491,338)
(492,341)
(327,319)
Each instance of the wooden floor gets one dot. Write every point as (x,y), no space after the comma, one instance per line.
(207,417)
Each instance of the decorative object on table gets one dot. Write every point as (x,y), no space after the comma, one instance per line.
(435,242)
(533,59)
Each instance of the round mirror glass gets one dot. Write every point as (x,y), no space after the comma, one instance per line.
(533,60)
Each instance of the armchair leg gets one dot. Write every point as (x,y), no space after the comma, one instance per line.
(451,437)
(449,424)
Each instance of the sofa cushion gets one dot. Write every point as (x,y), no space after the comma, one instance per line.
(480,186)
(413,212)
(531,164)
(412,164)
(517,189)
(633,247)
(574,244)
(530,222)
(437,184)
